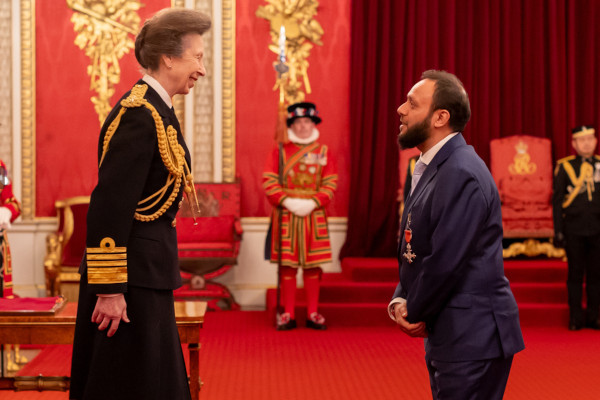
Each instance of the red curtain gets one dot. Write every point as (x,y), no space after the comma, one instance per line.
(529,67)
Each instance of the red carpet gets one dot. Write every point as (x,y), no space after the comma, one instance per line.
(244,358)
(363,355)
(359,295)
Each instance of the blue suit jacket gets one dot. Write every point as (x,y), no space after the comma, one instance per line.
(456,283)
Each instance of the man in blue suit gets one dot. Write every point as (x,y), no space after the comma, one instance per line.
(452,289)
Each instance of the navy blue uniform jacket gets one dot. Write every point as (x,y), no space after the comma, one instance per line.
(456,283)
(131,171)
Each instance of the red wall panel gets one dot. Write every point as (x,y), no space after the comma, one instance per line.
(67,127)
(256,102)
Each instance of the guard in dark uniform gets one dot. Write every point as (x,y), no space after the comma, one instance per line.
(576,205)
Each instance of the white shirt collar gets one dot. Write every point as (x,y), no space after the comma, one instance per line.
(429,154)
(154,84)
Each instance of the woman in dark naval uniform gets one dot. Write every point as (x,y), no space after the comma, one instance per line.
(126,342)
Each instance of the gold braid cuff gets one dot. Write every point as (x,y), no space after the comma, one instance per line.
(106,264)
(171,153)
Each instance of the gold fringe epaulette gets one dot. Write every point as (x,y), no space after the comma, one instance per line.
(562,161)
(171,153)
(106,264)
(565,159)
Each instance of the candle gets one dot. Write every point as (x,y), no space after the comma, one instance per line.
(282,39)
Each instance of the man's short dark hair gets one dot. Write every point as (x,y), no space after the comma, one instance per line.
(450,94)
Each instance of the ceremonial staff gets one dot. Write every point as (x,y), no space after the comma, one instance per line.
(280,137)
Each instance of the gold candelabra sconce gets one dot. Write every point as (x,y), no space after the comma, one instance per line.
(293,32)
(103,28)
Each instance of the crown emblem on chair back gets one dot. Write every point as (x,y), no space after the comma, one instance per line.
(522,164)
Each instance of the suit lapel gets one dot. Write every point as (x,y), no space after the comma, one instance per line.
(430,172)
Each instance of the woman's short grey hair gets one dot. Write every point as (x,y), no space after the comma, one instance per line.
(162,34)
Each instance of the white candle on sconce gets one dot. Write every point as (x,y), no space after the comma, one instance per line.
(282,39)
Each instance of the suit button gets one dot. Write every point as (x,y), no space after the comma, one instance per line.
(174,223)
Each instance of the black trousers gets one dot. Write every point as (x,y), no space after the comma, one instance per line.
(143,360)
(583,253)
(469,380)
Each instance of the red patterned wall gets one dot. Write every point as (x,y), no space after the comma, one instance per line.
(67,126)
(256,102)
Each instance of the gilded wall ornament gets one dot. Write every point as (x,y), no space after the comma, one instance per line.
(103,29)
(300,31)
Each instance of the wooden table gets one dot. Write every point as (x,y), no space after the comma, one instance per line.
(59,328)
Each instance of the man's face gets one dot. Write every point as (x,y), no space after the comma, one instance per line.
(585,146)
(415,115)
(302,127)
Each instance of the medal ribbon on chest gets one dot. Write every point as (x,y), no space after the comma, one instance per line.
(408,254)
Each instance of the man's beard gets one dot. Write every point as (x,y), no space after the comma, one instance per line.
(416,134)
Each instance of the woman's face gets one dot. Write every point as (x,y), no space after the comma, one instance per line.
(188,68)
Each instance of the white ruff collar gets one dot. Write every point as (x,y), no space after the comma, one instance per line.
(295,139)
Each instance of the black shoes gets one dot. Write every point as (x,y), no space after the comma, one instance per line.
(316,321)
(594,324)
(285,322)
(576,323)
(575,326)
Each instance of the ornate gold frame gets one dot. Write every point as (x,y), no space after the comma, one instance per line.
(28,100)
(27,109)
(228,90)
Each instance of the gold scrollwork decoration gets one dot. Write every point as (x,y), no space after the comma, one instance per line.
(533,248)
(522,164)
(103,28)
(301,32)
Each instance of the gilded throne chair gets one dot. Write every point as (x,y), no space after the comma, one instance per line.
(522,169)
(65,248)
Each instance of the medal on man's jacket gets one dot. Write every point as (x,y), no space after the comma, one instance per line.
(408,254)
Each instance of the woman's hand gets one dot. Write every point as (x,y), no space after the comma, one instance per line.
(109,311)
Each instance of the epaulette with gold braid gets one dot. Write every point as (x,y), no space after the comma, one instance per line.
(561,162)
(565,159)
(136,97)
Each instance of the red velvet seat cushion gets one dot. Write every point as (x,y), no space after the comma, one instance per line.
(208,230)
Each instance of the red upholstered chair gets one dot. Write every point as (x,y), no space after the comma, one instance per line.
(65,248)
(522,168)
(209,246)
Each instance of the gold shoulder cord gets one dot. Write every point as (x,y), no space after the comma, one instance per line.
(171,152)
(585,177)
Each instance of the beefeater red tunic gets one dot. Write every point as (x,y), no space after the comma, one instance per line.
(309,172)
